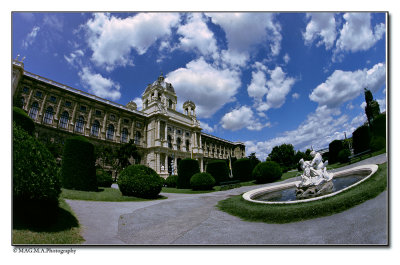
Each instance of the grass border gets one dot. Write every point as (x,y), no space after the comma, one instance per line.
(104,194)
(288,213)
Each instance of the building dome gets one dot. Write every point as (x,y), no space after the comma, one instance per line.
(131,105)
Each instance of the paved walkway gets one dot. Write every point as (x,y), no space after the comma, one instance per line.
(186,219)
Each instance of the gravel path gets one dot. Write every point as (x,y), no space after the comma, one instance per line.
(186,219)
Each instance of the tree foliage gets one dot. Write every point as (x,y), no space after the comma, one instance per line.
(284,155)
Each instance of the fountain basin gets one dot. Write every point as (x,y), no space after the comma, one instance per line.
(366,171)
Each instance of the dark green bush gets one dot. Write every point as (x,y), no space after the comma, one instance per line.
(378,126)
(202,181)
(334,148)
(344,156)
(186,169)
(23,120)
(266,172)
(361,139)
(171,181)
(218,170)
(36,181)
(377,143)
(104,179)
(78,165)
(241,169)
(140,181)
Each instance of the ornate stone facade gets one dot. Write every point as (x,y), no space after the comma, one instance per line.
(163,135)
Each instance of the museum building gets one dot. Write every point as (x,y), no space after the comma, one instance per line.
(162,134)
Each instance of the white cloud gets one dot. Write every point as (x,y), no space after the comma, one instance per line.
(206,127)
(240,118)
(139,103)
(343,86)
(322,27)
(196,35)
(74,57)
(209,87)
(245,30)
(30,38)
(286,58)
(99,85)
(258,87)
(295,95)
(112,39)
(357,33)
(278,87)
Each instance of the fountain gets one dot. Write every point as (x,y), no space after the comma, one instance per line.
(315,183)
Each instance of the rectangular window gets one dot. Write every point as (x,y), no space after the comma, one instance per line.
(138,124)
(68,103)
(187,134)
(126,121)
(83,108)
(53,99)
(112,117)
(25,89)
(178,131)
(98,113)
(39,94)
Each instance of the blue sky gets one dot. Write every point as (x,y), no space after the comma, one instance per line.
(260,78)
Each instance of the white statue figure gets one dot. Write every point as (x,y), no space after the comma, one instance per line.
(314,172)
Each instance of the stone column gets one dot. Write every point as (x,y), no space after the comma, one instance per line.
(89,118)
(175,166)
(41,109)
(103,132)
(72,123)
(174,141)
(201,164)
(28,102)
(56,116)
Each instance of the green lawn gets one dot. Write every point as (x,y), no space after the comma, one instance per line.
(104,194)
(248,211)
(66,230)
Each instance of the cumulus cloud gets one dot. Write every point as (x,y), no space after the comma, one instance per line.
(357,34)
(139,103)
(245,30)
(240,118)
(197,36)
(343,86)
(206,127)
(286,58)
(112,39)
(295,95)
(30,38)
(322,27)
(99,85)
(258,86)
(279,85)
(74,57)
(209,87)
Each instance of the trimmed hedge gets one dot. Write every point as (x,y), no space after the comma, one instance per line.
(361,139)
(377,143)
(186,169)
(241,169)
(334,148)
(36,181)
(202,181)
(266,172)
(343,156)
(104,179)
(78,165)
(140,181)
(23,120)
(171,181)
(218,170)
(378,126)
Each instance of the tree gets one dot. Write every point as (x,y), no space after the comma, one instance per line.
(334,148)
(253,160)
(125,153)
(284,155)
(372,108)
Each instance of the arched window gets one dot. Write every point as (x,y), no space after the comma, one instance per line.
(95,128)
(110,132)
(48,116)
(124,135)
(178,143)
(187,145)
(169,141)
(137,137)
(34,110)
(64,120)
(80,123)
(170,103)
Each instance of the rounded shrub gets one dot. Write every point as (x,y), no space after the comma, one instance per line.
(361,139)
(186,169)
(104,179)
(78,165)
(202,181)
(36,181)
(23,120)
(140,181)
(266,172)
(171,181)
(344,156)
(241,169)
(218,170)
(378,126)
(334,148)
